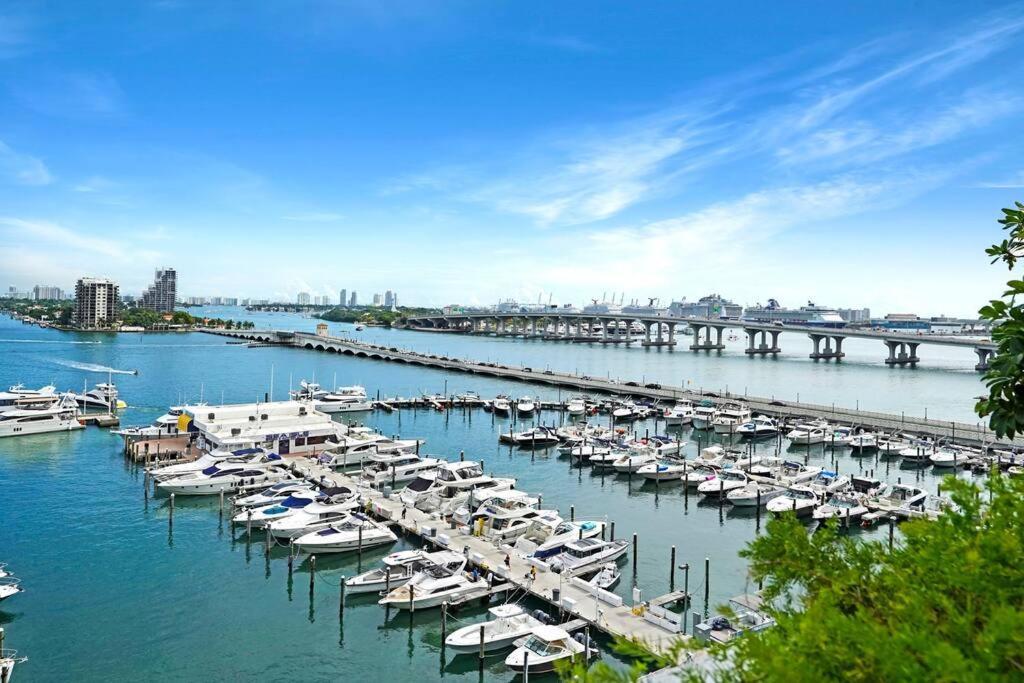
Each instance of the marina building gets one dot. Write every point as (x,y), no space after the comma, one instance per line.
(302,299)
(96,302)
(284,427)
(163,293)
(710,306)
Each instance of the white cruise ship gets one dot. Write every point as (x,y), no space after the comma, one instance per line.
(812,315)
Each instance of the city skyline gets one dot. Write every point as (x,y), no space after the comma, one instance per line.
(856,156)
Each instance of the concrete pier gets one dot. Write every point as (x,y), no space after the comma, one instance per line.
(707,344)
(984,356)
(905,355)
(762,348)
(829,352)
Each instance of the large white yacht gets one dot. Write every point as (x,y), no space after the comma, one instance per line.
(356,445)
(355,532)
(451,485)
(384,469)
(400,567)
(730,417)
(224,477)
(61,416)
(339,400)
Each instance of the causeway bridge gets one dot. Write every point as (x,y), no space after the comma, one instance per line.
(762,338)
(972,433)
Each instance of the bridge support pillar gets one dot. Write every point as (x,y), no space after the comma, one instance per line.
(829,352)
(671,334)
(533,327)
(905,355)
(984,356)
(761,348)
(707,344)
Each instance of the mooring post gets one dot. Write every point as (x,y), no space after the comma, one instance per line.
(672,570)
(312,572)
(634,553)
(248,524)
(170,515)
(892,525)
(341,599)
(707,584)
(481,647)
(444,624)
(572,513)
(612,533)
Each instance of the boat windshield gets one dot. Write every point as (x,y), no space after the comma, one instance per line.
(542,648)
(419,484)
(295,502)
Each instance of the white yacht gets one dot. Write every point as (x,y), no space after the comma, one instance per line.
(394,469)
(586,453)
(358,444)
(431,586)
(605,461)
(808,433)
(9,587)
(549,533)
(526,406)
(724,483)
(400,567)
(846,506)
(538,652)
(165,425)
(339,400)
(536,436)
(839,437)
(948,456)
(508,623)
(894,497)
(320,514)
(580,555)
(697,473)
(242,456)
(61,416)
(576,406)
(264,515)
(28,401)
(104,395)
(679,415)
(273,494)
(224,477)
(632,461)
(21,390)
(664,469)
(864,442)
(501,405)
(356,531)
(704,416)
(731,416)
(450,485)
(758,426)
(754,492)
(800,499)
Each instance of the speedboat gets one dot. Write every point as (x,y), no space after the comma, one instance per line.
(398,468)
(508,623)
(631,462)
(224,477)
(400,567)
(538,436)
(356,531)
(9,587)
(758,426)
(605,460)
(725,482)
(894,497)
(948,456)
(704,416)
(663,469)
(526,405)
(585,453)
(244,456)
(846,506)
(580,555)
(606,577)
(864,442)
(434,585)
(729,417)
(538,652)
(624,411)
(808,433)
(696,474)
(754,491)
(261,516)
(273,494)
(662,445)
(796,472)
(576,406)
(800,499)
(679,415)
(316,516)
(501,405)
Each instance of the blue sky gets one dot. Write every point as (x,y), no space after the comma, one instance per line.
(856,153)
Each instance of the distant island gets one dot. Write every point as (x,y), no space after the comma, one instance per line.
(59,314)
(372,315)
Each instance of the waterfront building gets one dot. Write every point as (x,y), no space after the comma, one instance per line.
(902,321)
(354,301)
(855,315)
(811,314)
(302,299)
(230,301)
(45,292)
(216,301)
(389,298)
(96,302)
(710,306)
(377,300)
(285,427)
(161,295)
(343,298)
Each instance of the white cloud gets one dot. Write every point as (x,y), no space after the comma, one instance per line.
(1013,182)
(94,184)
(61,238)
(22,168)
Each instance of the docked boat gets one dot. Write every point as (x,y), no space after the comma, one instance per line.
(864,442)
(355,532)
(606,460)
(104,395)
(273,494)
(586,453)
(624,411)
(754,492)
(663,469)
(745,615)
(606,577)
(59,416)
(339,400)
(949,456)
(501,405)
(242,456)
(261,516)
(579,556)
(631,462)
(576,407)
(432,586)
(846,506)
(549,533)
(894,497)
(224,477)
(165,425)
(526,406)
(508,623)
(729,417)
(546,645)
(450,485)
(679,415)
(758,426)
(357,444)
(9,587)
(318,515)
(800,499)
(724,483)
(808,433)
(697,473)
(385,469)
(839,437)
(660,444)
(537,436)
(398,568)
(704,416)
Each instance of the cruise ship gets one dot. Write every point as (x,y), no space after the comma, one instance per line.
(811,315)
(710,306)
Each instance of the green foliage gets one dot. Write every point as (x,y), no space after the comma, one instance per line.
(1004,405)
(371,315)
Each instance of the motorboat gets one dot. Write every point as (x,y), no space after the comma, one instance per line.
(357,444)
(21,390)
(3,571)
(624,411)
(839,437)
(704,416)
(891,445)
(318,515)
(663,469)
(605,460)
(808,433)
(580,555)
(526,406)
(398,568)
(846,506)
(679,415)
(631,462)
(576,406)
(104,395)
(394,469)
(546,645)
(661,444)
(9,587)
(949,456)
(826,482)
(723,483)
(261,516)
(606,577)
(697,473)
(273,494)
(61,416)
(730,416)
(745,615)
(434,585)
(537,436)
(165,425)
(792,472)
(501,405)
(864,442)
(754,492)
(355,532)
(549,533)
(339,400)
(800,499)
(894,497)
(224,477)
(758,426)
(448,482)
(241,456)
(585,453)
(508,623)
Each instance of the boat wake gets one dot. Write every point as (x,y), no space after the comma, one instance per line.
(45,341)
(94,367)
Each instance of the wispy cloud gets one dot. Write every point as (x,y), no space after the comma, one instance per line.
(1011,182)
(73,95)
(22,169)
(568,43)
(94,184)
(53,233)
(314,217)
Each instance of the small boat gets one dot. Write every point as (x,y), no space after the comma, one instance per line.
(846,506)
(754,491)
(538,652)
(800,499)
(537,436)
(576,407)
(526,405)
(605,460)
(758,426)
(809,433)
(509,623)
(400,567)
(9,587)
(432,586)
(949,457)
(696,474)
(261,516)
(501,405)
(355,532)
(631,462)
(663,469)
(585,453)
(606,577)
(581,555)
(864,442)
(745,616)
(679,415)
(730,416)
(725,482)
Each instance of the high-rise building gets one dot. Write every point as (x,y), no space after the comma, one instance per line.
(377,300)
(96,301)
(389,298)
(302,299)
(354,300)
(44,292)
(162,294)
(230,301)
(343,299)
(855,315)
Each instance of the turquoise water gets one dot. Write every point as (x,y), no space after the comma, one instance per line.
(115,591)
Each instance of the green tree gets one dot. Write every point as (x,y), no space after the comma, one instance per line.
(1004,405)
